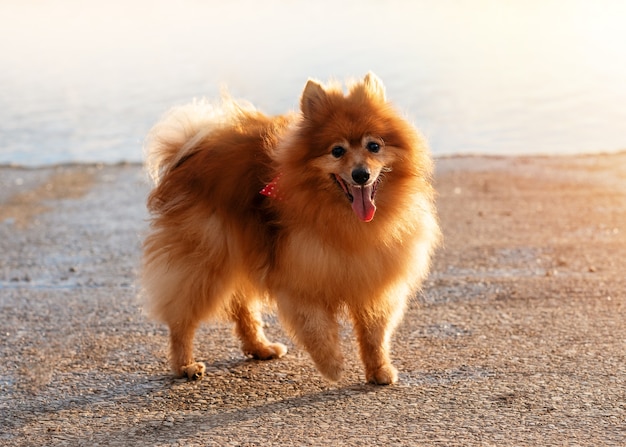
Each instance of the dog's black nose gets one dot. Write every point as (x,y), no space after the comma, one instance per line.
(361,175)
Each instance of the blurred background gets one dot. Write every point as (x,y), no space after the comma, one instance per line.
(83,81)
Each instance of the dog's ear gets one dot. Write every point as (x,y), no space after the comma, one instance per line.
(374,86)
(313,98)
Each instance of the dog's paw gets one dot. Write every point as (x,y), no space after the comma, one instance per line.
(193,371)
(385,375)
(267,352)
(332,370)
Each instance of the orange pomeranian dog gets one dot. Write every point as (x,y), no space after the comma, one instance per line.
(325,213)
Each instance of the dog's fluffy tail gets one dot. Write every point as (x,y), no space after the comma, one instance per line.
(178,134)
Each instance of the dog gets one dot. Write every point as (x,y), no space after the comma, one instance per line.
(325,213)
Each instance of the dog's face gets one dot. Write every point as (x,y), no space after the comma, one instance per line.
(356,167)
(354,140)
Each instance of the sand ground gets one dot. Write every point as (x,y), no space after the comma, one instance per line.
(519,337)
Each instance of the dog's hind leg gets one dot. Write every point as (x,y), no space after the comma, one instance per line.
(249,328)
(181,350)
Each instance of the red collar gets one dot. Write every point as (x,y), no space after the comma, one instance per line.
(272,189)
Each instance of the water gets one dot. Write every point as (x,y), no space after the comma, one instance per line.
(84,81)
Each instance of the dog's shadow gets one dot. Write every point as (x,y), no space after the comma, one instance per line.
(303,407)
(229,404)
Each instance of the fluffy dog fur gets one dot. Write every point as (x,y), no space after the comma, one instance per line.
(349,228)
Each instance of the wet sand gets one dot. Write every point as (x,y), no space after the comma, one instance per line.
(517,339)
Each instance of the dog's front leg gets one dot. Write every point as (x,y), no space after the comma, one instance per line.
(316,329)
(373,330)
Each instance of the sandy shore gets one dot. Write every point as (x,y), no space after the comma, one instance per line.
(519,337)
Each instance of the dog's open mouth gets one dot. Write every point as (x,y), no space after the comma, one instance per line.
(360,196)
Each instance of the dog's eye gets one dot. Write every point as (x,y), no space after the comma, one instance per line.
(338,151)
(373,147)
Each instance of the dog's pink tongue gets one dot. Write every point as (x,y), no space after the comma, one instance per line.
(362,205)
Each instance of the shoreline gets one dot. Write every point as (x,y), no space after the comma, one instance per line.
(469,155)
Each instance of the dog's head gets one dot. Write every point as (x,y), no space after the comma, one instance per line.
(351,145)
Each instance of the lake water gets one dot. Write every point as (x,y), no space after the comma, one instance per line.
(84,81)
